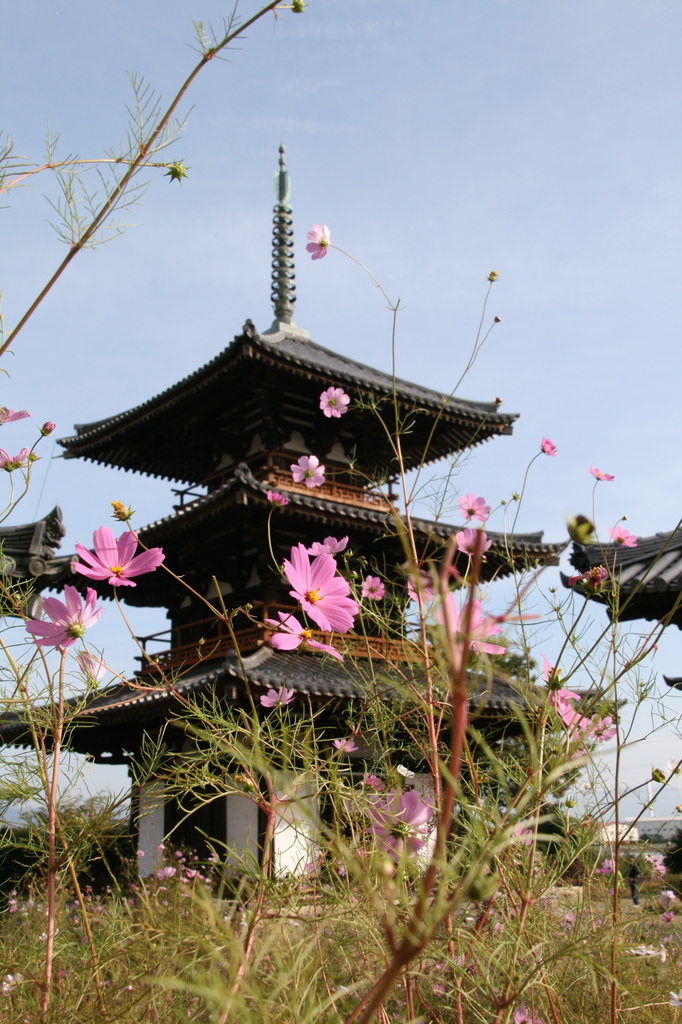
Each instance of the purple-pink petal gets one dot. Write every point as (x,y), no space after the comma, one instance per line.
(106,548)
(126,546)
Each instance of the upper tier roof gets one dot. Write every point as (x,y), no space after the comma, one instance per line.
(174,434)
(649,575)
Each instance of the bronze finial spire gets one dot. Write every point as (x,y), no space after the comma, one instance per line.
(283,293)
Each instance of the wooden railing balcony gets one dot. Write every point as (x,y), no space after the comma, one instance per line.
(345,494)
(185,656)
(273,468)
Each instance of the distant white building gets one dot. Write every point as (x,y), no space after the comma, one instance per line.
(607,832)
(658,830)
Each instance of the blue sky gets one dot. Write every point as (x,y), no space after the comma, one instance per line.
(438,141)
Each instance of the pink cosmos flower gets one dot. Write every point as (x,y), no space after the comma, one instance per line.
(592,580)
(472,507)
(90,666)
(656,861)
(480,626)
(667,917)
(599,475)
(331,546)
(559,700)
(70,618)
(525,834)
(374,782)
(522,1015)
(547,446)
(7,416)
(668,899)
(292,634)
(275,498)
(467,540)
(421,584)
(334,402)
(308,471)
(398,820)
(548,672)
(323,594)
(567,921)
(10,462)
(606,867)
(319,241)
(115,560)
(345,746)
(580,727)
(373,588)
(620,536)
(273,697)
(601,729)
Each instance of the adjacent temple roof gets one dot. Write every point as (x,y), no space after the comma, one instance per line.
(649,575)
(27,552)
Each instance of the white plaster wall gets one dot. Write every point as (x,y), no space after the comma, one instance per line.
(151,827)
(294,840)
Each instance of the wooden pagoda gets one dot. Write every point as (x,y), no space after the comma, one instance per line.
(228,434)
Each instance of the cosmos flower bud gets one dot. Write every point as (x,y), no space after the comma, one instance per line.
(47,428)
(492,276)
(121,511)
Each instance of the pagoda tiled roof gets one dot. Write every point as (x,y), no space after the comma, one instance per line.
(120,440)
(649,576)
(309,675)
(529,546)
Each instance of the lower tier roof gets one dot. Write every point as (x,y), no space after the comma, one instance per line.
(125,709)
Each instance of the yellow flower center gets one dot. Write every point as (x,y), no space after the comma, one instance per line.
(116,569)
(306,634)
(76,630)
(313,595)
